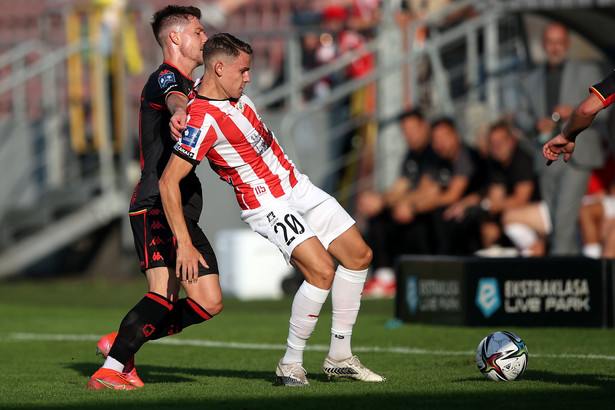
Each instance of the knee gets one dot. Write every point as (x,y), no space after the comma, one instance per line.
(361,258)
(214,309)
(321,275)
(213,306)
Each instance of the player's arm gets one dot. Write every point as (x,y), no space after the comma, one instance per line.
(176,104)
(453,193)
(581,118)
(188,257)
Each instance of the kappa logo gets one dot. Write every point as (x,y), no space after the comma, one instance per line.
(157,256)
(156,212)
(156,241)
(488,296)
(156,225)
(165,77)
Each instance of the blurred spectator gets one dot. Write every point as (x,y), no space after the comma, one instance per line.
(457,176)
(511,184)
(597,213)
(549,94)
(386,232)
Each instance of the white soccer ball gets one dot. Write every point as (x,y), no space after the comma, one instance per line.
(502,356)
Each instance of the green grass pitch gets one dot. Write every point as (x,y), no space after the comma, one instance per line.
(49,329)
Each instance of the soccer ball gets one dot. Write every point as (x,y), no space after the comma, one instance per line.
(502,356)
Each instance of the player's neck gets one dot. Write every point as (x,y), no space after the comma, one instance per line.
(185,66)
(210,88)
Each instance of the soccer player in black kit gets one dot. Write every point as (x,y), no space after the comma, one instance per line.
(161,313)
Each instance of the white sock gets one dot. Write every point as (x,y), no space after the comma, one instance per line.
(592,250)
(521,235)
(346,301)
(111,363)
(304,315)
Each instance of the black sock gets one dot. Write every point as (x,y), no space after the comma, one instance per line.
(186,312)
(139,325)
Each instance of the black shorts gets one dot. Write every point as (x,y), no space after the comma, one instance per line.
(155,243)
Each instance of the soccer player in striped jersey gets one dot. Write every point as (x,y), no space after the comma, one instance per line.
(160,312)
(309,226)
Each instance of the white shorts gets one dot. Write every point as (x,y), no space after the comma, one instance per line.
(305,212)
(608,204)
(546,217)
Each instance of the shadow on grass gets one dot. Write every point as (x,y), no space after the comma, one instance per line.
(601,381)
(168,374)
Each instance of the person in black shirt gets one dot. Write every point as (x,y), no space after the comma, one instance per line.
(511,181)
(160,313)
(387,234)
(456,175)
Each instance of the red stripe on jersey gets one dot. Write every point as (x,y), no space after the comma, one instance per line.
(284,162)
(157,298)
(158,107)
(605,101)
(208,141)
(198,309)
(246,200)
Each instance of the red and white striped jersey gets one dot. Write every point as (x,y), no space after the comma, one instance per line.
(239,147)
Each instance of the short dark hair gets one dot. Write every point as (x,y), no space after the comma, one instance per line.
(171,14)
(501,124)
(443,121)
(415,112)
(224,43)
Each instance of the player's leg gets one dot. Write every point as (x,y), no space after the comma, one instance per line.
(204,297)
(354,256)
(311,258)
(154,244)
(590,223)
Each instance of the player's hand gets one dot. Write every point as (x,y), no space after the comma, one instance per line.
(177,124)
(187,263)
(370,204)
(556,146)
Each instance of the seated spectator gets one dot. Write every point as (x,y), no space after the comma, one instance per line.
(458,175)
(511,183)
(385,230)
(597,213)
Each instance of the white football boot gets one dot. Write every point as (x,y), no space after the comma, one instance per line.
(350,368)
(291,374)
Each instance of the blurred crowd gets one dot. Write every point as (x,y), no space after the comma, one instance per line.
(496,197)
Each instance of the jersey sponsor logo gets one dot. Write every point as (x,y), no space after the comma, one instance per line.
(165,77)
(184,151)
(190,136)
(260,139)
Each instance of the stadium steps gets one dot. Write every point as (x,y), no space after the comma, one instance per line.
(41,238)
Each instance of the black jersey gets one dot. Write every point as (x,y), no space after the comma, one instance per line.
(156,143)
(605,90)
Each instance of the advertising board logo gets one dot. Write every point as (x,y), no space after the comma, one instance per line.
(412,294)
(488,296)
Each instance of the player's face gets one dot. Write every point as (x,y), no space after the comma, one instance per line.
(236,74)
(444,140)
(193,38)
(556,42)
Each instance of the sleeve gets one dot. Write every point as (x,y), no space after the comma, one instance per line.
(195,141)
(605,90)
(171,82)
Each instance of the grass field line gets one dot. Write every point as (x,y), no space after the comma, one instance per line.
(264,346)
